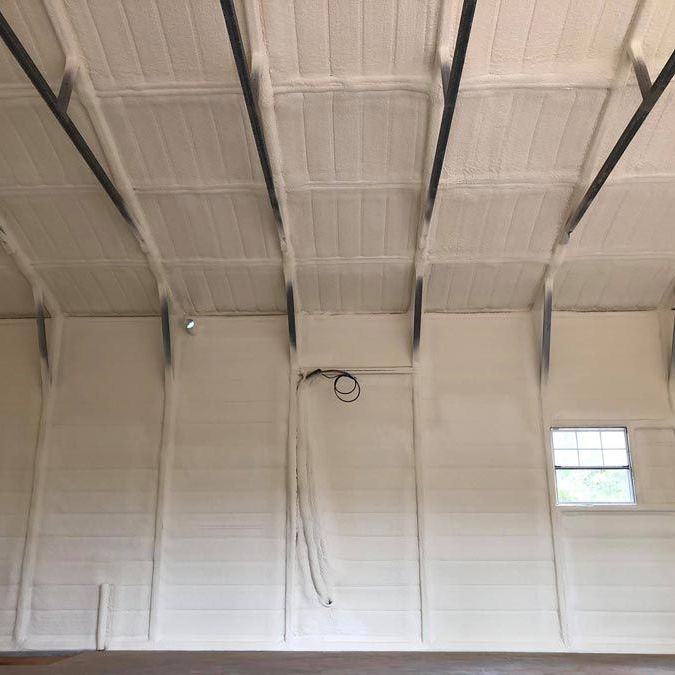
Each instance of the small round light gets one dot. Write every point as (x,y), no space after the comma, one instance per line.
(190,326)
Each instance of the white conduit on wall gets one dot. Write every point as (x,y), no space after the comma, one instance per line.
(302,495)
(317,555)
(165,461)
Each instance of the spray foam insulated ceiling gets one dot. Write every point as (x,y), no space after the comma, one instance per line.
(350,98)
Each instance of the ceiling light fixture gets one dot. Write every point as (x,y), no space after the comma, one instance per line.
(190,326)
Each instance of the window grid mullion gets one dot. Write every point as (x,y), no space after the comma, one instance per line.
(589,490)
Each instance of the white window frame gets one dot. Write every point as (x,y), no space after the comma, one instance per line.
(630,466)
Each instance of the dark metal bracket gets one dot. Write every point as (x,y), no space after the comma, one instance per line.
(445,81)
(546,322)
(417,312)
(166,333)
(40,315)
(66,89)
(640,69)
(290,311)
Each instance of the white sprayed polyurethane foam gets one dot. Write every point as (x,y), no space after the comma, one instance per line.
(356,101)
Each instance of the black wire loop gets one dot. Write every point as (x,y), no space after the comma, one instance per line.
(348,391)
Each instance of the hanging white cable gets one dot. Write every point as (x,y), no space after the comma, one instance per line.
(317,557)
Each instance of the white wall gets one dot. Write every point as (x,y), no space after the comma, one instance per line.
(491,578)
(485,555)
(97,520)
(224,558)
(618,562)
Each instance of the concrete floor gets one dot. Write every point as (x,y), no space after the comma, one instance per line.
(212,663)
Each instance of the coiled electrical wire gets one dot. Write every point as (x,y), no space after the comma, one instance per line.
(348,391)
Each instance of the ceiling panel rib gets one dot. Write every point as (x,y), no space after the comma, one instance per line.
(356,99)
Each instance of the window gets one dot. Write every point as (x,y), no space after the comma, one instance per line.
(592,466)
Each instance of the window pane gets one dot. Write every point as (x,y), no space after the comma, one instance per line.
(564,439)
(590,457)
(588,439)
(594,486)
(615,457)
(566,458)
(613,439)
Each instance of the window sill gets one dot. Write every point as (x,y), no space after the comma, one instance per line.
(615,508)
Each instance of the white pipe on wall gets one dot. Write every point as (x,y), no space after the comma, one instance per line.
(103,616)
(309,510)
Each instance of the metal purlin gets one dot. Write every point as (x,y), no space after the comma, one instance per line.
(236,43)
(58,105)
(28,66)
(650,98)
(451,80)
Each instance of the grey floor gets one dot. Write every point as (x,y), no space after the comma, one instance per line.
(212,663)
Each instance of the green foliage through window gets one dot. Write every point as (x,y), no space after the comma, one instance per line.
(595,486)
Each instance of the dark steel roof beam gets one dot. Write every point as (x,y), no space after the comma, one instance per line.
(247,86)
(450,78)
(648,102)
(28,66)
